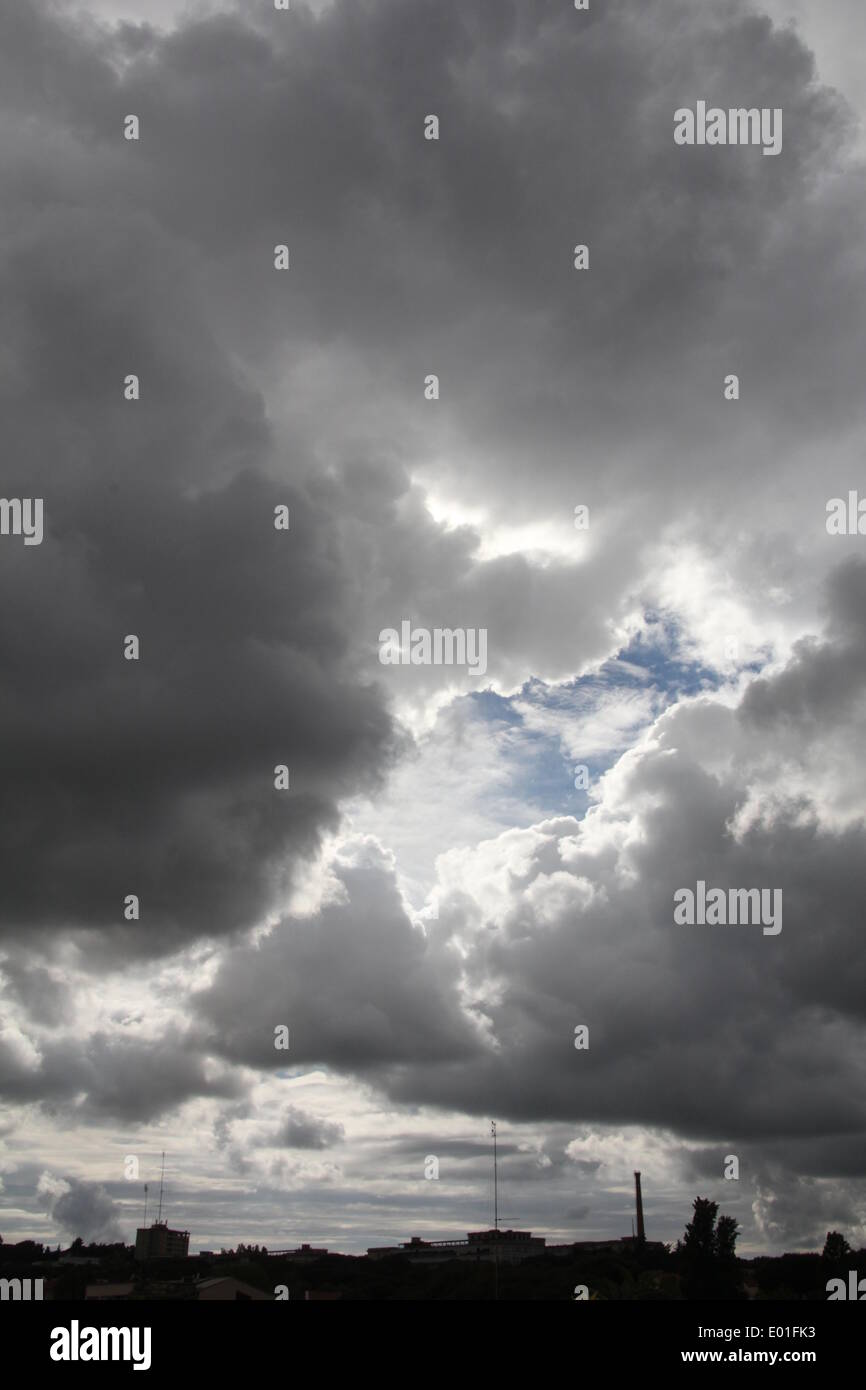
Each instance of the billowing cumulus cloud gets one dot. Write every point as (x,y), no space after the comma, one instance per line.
(80,1209)
(355,984)
(572,922)
(723,1033)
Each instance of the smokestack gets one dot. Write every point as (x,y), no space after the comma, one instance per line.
(641,1235)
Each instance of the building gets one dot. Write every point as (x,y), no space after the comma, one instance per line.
(157,1242)
(510,1247)
(621,1245)
(303,1252)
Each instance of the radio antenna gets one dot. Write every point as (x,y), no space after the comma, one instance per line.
(161,1186)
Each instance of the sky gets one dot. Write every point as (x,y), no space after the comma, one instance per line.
(468,865)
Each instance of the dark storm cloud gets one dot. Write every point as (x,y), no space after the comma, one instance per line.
(843,1158)
(110,1077)
(156,777)
(838,1160)
(456,256)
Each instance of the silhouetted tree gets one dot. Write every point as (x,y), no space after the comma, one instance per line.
(727,1230)
(708,1254)
(836,1248)
(699,1240)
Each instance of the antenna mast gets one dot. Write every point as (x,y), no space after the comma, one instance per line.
(161,1185)
(495,1179)
(145,1204)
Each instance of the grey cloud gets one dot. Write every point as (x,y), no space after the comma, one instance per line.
(567,120)
(156,778)
(824,682)
(157,255)
(413,1145)
(795,1211)
(709,1033)
(357,985)
(44,996)
(110,1077)
(259,648)
(85,1209)
(299,1130)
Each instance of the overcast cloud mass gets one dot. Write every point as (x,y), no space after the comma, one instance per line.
(433,905)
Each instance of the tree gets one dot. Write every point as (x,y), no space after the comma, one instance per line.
(699,1240)
(727,1230)
(708,1254)
(836,1248)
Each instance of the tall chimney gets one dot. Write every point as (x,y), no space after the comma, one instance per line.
(641,1235)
